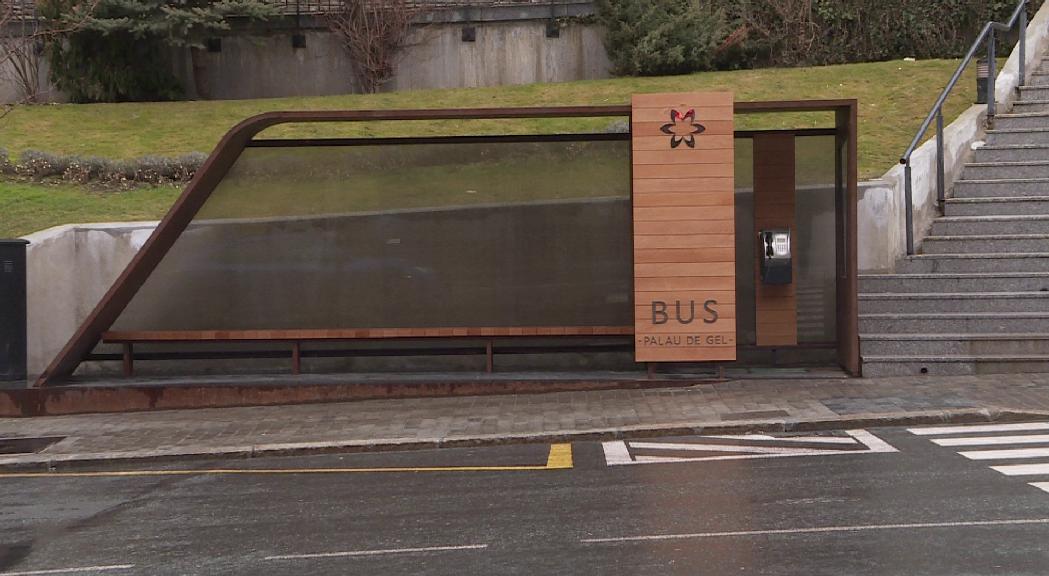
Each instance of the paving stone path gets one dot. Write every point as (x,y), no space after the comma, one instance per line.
(385,424)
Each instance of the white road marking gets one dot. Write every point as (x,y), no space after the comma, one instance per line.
(806,439)
(725,448)
(992,440)
(677,459)
(1041,485)
(618,453)
(983,428)
(874,443)
(1006,454)
(823,530)
(70,570)
(375,552)
(1022,469)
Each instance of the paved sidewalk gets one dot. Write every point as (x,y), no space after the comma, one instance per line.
(415,423)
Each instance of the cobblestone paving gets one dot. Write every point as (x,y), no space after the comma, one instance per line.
(492,418)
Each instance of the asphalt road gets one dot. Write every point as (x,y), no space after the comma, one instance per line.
(884,501)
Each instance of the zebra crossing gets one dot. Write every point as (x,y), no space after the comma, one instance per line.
(742,447)
(1008,447)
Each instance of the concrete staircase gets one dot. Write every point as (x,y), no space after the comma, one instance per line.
(976,300)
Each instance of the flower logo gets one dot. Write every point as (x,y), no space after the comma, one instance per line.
(682,128)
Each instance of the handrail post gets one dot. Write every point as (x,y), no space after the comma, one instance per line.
(940,176)
(992,71)
(909,207)
(1023,44)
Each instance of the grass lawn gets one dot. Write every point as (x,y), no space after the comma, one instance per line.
(26,208)
(894,97)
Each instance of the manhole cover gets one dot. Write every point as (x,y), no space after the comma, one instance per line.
(26,445)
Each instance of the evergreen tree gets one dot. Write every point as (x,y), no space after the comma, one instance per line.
(655,37)
(121,51)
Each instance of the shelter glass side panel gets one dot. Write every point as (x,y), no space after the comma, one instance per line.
(414,235)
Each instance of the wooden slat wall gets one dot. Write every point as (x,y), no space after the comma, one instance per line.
(776,308)
(684,230)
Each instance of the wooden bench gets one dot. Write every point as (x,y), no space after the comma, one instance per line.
(296,338)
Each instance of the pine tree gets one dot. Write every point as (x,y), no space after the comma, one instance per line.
(119,52)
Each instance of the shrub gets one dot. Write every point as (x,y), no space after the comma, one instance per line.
(654,37)
(812,32)
(84,169)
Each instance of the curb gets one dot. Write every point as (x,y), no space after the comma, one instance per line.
(959,416)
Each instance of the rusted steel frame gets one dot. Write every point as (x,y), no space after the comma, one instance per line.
(361,333)
(795,132)
(229,149)
(497,139)
(296,357)
(415,140)
(129,359)
(847,121)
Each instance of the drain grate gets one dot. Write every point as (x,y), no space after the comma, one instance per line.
(27,445)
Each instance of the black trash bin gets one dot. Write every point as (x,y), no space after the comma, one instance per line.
(13,310)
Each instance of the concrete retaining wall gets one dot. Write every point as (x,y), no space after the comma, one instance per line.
(511,47)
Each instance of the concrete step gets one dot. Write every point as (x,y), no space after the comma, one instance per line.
(1031,92)
(1018,153)
(998,187)
(881,366)
(986,244)
(1025,344)
(983,225)
(954,323)
(1032,105)
(997,206)
(959,263)
(1010,170)
(931,302)
(958,282)
(1014,121)
(1018,137)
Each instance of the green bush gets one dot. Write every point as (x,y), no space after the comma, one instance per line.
(92,66)
(678,36)
(37,165)
(658,37)
(811,32)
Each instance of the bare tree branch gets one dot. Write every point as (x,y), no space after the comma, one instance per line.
(374,32)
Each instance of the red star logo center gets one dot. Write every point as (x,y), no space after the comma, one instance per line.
(682,128)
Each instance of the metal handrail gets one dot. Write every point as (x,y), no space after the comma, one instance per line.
(988,34)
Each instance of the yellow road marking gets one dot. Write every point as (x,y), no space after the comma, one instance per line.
(560,458)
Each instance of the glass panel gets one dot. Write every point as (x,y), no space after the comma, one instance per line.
(408,235)
(814,239)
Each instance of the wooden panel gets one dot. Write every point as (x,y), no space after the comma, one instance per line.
(699,198)
(713,142)
(776,316)
(684,227)
(683,185)
(676,227)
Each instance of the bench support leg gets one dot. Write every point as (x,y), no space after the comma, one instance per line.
(296,358)
(489,366)
(129,360)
